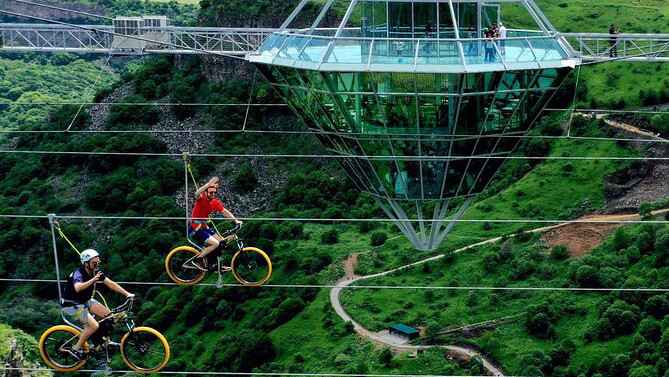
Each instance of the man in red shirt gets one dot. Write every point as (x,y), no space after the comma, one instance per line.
(205,204)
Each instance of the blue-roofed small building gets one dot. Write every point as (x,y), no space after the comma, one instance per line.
(403,331)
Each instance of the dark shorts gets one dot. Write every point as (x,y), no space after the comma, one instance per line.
(201,235)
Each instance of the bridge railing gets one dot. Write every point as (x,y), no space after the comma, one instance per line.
(103,38)
(604,46)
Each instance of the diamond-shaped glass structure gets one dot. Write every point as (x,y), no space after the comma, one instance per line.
(415,97)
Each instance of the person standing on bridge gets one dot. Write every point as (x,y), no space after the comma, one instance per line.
(613,51)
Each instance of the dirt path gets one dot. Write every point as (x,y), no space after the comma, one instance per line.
(582,238)
(349,266)
(623,126)
(566,230)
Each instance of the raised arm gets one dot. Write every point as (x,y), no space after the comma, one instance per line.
(212,182)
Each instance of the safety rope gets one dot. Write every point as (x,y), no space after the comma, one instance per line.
(62,235)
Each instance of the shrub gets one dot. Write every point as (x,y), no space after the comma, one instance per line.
(379,238)
(291,230)
(645,209)
(120,115)
(330,237)
(386,356)
(559,252)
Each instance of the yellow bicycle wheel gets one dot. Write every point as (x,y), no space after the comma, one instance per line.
(53,347)
(145,350)
(176,269)
(251,266)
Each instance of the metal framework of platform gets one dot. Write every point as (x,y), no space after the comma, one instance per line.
(584,47)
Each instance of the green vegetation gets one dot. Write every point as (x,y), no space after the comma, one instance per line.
(295,330)
(59,77)
(538,324)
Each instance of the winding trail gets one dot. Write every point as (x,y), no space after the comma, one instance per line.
(376,338)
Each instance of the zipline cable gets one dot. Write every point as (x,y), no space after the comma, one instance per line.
(380,287)
(255,373)
(64,9)
(307,219)
(368,136)
(337,156)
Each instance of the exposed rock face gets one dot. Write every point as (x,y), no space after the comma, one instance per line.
(21,353)
(43,12)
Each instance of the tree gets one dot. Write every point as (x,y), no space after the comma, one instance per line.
(645,210)
(246,179)
(662,242)
(539,325)
(386,356)
(620,239)
(379,238)
(603,329)
(586,276)
(657,306)
(650,330)
(645,241)
(330,237)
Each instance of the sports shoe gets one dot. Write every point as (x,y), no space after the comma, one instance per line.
(200,264)
(77,354)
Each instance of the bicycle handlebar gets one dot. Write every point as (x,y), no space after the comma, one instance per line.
(234,230)
(127,305)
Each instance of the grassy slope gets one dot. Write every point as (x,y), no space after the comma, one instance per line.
(374,309)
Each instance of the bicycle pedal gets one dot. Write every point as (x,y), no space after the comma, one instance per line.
(226,268)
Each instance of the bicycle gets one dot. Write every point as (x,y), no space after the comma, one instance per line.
(143,349)
(249,265)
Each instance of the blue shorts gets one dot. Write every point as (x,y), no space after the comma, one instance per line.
(201,235)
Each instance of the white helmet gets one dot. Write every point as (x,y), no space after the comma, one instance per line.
(87,255)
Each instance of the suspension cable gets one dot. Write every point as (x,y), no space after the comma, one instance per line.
(91,89)
(64,9)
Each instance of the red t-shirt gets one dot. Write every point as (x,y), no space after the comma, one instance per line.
(203,208)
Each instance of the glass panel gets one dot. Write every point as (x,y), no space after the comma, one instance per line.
(446,29)
(348,51)
(271,46)
(467,20)
(314,50)
(518,50)
(292,48)
(425,20)
(490,15)
(393,52)
(547,49)
(400,23)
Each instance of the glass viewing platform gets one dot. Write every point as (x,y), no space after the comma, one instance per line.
(445,55)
